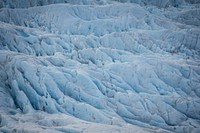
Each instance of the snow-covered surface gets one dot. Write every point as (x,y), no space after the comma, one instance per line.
(100,66)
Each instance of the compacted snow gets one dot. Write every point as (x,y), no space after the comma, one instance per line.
(100,66)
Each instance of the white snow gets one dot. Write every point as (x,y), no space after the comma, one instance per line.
(100,66)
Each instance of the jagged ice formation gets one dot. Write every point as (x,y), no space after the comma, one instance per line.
(121,66)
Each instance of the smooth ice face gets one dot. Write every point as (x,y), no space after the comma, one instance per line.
(108,64)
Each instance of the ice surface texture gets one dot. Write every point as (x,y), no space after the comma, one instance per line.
(110,63)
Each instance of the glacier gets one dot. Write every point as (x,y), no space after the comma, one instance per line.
(100,66)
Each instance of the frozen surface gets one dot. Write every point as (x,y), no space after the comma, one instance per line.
(100,66)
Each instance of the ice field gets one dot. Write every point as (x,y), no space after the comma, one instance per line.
(99,66)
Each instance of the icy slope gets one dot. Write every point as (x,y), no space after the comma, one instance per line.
(115,65)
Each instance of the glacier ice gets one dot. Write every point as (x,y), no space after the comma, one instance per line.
(99,66)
